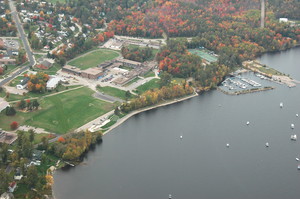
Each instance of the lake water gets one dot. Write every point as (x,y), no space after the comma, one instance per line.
(145,157)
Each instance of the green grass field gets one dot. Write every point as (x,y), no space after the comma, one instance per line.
(152,84)
(113,92)
(94,58)
(62,113)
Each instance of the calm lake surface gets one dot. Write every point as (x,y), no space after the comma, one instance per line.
(145,158)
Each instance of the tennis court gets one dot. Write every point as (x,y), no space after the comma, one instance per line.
(204,54)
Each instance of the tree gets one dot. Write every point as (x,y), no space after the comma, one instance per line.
(31,135)
(22,104)
(117,111)
(10,111)
(35,104)
(4,152)
(32,176)
(14,125)
(127,95)
(4,181)
(165,79)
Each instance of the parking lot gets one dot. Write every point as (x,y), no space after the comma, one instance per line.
(11,44)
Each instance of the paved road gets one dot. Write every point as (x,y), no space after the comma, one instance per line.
(23,37)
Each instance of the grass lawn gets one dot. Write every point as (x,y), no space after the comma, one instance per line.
(152,84)
(67,111)
(61,113)
(50,71)
(16,81)
(113,92)
(149,74)
(178,80)
(15,97)
(94,58)
(55,1)
(10,68)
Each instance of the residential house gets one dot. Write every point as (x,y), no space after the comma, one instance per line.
(3,104)
(46,64)
(23,83)
(7,138)
(7,196)
(12,186)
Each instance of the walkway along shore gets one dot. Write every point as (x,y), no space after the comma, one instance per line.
(123,119)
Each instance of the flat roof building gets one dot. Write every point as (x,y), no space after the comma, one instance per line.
(92,73)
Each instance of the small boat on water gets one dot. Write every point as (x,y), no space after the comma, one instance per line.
(297,115)
(248,123)
(294,137)
(298,166)
(292,126)
(281,104)
(170,196)
(267,144)
(181,137)
(297,159)
(227,145)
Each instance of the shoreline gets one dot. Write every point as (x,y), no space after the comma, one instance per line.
(129,115)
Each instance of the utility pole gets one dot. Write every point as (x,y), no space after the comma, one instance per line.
(262,15)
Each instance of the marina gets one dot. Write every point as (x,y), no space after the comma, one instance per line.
(246,82)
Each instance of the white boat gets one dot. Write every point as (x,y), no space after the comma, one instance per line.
(297,115)
(299,167)
(292,126)
(281,104)
(170,196)
(181,137)
(248,123)
(227,145)
(297,159)
(294,137)
(267,144)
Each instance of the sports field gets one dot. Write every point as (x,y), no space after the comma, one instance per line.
(93,59)
(204,54)
(61,113)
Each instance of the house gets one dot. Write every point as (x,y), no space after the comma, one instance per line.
(7,60)
(92,73)
(283,20)
(37,155)
(18,175)
(46,64)
(53,83)
(7,196)
(23,83)
(3,104)
(12,186)
(7,138)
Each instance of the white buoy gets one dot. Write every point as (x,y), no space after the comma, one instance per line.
(248,123)
(267,144)
(181,137)
(297,159)
(294,137)
(281,104)
(292,126)
(227,145)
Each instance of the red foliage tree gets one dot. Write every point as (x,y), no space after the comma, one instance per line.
(14,125)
